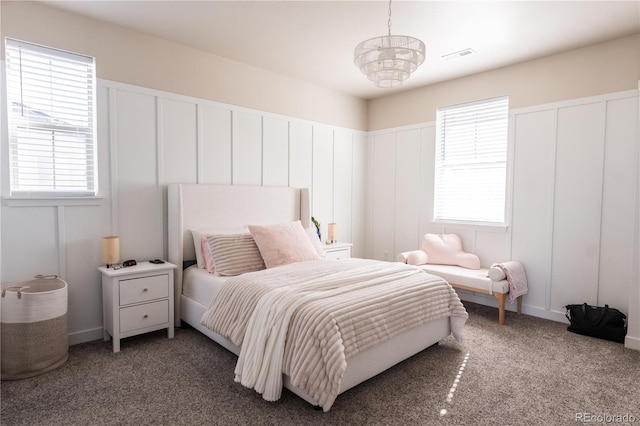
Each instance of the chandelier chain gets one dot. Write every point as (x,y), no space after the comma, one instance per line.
(389,20)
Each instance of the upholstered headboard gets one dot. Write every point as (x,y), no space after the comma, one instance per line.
(205,206)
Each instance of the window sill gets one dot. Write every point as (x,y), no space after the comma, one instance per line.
(474,226)
(52,201)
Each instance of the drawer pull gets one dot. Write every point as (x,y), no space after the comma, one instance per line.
(145,316)
(145,289)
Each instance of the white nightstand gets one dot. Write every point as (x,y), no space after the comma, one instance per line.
(338,250)
(136,300)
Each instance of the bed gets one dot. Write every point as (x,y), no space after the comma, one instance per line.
(207,206)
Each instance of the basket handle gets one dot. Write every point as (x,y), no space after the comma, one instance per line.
(20,288)
(25,287)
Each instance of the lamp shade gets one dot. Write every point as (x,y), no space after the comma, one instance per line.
(331,231)
(111,250)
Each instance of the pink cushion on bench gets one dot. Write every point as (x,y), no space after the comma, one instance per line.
(446,249)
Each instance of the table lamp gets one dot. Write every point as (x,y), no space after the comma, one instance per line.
(111,250)
(332,233)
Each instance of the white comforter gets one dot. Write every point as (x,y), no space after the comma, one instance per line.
(307,319)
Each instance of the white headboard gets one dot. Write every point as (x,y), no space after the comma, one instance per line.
(202,206)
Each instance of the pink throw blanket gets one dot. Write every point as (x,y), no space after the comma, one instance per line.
(516,277)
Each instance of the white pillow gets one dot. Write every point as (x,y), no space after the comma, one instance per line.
(315,242)
(234,254)
(283,243)
(200,234)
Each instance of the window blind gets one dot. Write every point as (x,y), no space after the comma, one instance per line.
(471,162)
(51,117)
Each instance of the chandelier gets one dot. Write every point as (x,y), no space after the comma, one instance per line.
(389,60)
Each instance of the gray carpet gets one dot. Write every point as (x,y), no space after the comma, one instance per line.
(530,371)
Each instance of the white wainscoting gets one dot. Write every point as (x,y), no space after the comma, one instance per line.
(572,206)
(147,139)
(573,186)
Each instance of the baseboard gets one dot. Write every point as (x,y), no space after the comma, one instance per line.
(481,299)
(487,300)
(632,342)
(85,336)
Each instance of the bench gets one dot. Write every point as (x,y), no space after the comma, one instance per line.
(476,280)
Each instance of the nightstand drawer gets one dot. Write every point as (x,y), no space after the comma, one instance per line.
(142,316)
(143,289)
(338,250)
(339,254)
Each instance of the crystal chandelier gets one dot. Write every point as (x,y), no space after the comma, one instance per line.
(389,60)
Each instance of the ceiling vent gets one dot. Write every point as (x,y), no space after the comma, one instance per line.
(459,54)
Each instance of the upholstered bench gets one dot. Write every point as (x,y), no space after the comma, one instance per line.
(476,280)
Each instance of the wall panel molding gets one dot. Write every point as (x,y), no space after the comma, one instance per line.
(62,242)
(144,149)
(113,154)
(563,192)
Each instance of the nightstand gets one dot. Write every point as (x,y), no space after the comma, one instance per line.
(338,250)
(137,299)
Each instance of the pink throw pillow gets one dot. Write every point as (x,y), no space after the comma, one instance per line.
(446,249)
(283,243)
(417,257)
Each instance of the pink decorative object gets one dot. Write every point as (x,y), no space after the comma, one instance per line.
(446,249)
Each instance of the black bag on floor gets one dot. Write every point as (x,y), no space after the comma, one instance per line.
(597,321)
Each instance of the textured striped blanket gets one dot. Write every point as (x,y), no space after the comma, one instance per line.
(307,319)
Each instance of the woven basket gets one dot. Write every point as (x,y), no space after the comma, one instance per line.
(34,336)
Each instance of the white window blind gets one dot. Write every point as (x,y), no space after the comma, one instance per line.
(471,162)
(51,116)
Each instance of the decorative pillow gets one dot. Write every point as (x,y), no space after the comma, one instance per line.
(315,242)
(283,243)
(496,274)
(446,249)
(207,258)
(417,257)
(234,254)
(200,234)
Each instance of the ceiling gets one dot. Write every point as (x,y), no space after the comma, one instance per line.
(314,40)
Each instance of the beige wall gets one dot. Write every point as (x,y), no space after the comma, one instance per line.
(135,58)
(594,70)
(131,57)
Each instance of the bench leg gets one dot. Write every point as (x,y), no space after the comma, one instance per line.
(502,298)
(519,304)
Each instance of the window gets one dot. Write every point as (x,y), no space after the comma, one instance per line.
(51,116)
(471,162)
